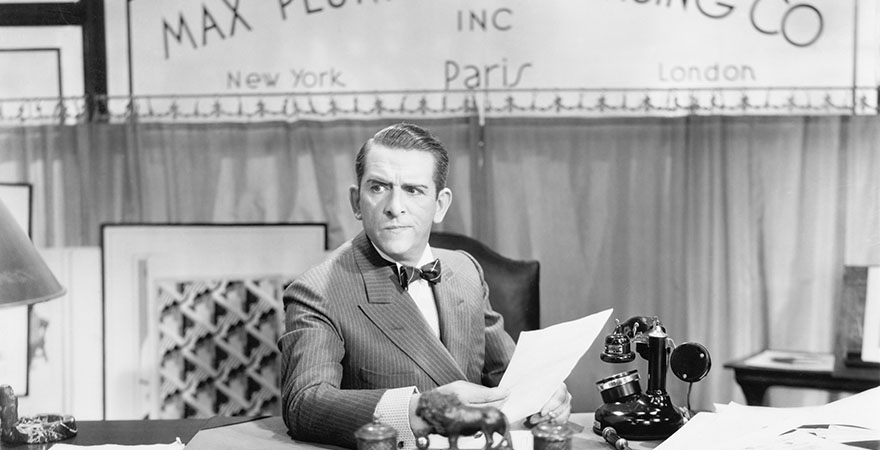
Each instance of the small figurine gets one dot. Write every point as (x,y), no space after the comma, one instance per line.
(31,430)
(8,408)
(448,417)
(376,436)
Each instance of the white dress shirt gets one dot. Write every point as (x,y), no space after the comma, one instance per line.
(393,407)
(421,292)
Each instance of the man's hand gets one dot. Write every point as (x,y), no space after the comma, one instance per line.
(469,394)
(557,409)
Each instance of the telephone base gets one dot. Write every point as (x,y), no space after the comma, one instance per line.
(641,417)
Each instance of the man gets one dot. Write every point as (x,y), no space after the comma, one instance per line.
(366,334)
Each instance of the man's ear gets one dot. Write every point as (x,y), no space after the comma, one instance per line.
(444,199)
(354,197)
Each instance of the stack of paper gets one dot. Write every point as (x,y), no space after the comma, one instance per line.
(853,420)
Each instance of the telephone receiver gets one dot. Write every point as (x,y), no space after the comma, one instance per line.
(649,415)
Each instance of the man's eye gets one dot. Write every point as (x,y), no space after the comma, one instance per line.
(414,190)
(377,188)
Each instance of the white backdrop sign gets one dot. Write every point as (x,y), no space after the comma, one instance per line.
(244,47)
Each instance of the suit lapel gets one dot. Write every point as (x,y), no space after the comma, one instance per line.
(392,310)
(454,324)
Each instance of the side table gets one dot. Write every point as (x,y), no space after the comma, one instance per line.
(757,372)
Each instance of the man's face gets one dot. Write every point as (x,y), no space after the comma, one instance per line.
(397,201)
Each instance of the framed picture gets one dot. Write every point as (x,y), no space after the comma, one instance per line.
(15,344)
(17,198)
(857,336)
(139,259)
(871,325)
(211,346)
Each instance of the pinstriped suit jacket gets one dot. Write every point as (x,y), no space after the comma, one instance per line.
(352,333)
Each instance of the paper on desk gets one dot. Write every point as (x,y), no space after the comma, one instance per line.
(797,440)
(543,359)
(522,440)
(787,360)
(172,446)
(719,429)
(736,426)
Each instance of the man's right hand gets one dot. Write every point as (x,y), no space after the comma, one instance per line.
(469,394)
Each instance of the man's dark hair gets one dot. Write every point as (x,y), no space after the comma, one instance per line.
(406,136)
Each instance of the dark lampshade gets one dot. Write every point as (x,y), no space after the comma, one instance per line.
(24,276)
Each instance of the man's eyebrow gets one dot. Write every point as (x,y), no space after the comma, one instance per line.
(378,181)
(415,185)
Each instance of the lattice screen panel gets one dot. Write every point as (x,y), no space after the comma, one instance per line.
(217,347)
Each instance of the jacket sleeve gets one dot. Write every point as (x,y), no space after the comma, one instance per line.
(314,408)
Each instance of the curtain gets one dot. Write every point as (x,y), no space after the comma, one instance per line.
(90,174)
(730,230)
(733,231)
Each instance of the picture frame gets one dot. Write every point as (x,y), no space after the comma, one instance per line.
(856,325)
(233,370)
(871,323)
(130,256)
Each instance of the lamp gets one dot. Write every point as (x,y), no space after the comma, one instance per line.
(25,279)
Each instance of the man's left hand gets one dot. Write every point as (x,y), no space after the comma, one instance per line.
(557,409)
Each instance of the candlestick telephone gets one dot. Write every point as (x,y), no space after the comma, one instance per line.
(629,412)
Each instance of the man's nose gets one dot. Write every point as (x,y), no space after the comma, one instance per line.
(394,206)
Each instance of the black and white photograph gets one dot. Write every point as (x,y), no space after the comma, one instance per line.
(422,224)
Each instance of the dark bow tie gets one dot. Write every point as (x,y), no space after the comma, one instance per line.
(430,272)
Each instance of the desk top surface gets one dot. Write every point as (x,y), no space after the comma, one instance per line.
(232,432)
(271,434)
(134,432)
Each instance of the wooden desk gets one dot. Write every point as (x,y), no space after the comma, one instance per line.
(757,372)
(221,433)
(271,434)
(133,432)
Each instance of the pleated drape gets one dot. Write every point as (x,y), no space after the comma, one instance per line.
(734,231)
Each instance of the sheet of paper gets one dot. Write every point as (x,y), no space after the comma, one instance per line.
(522,440)
(862,410)
(734,426)
(545,358)
(796,440)
(173,446)
(694,434)
(846,433)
